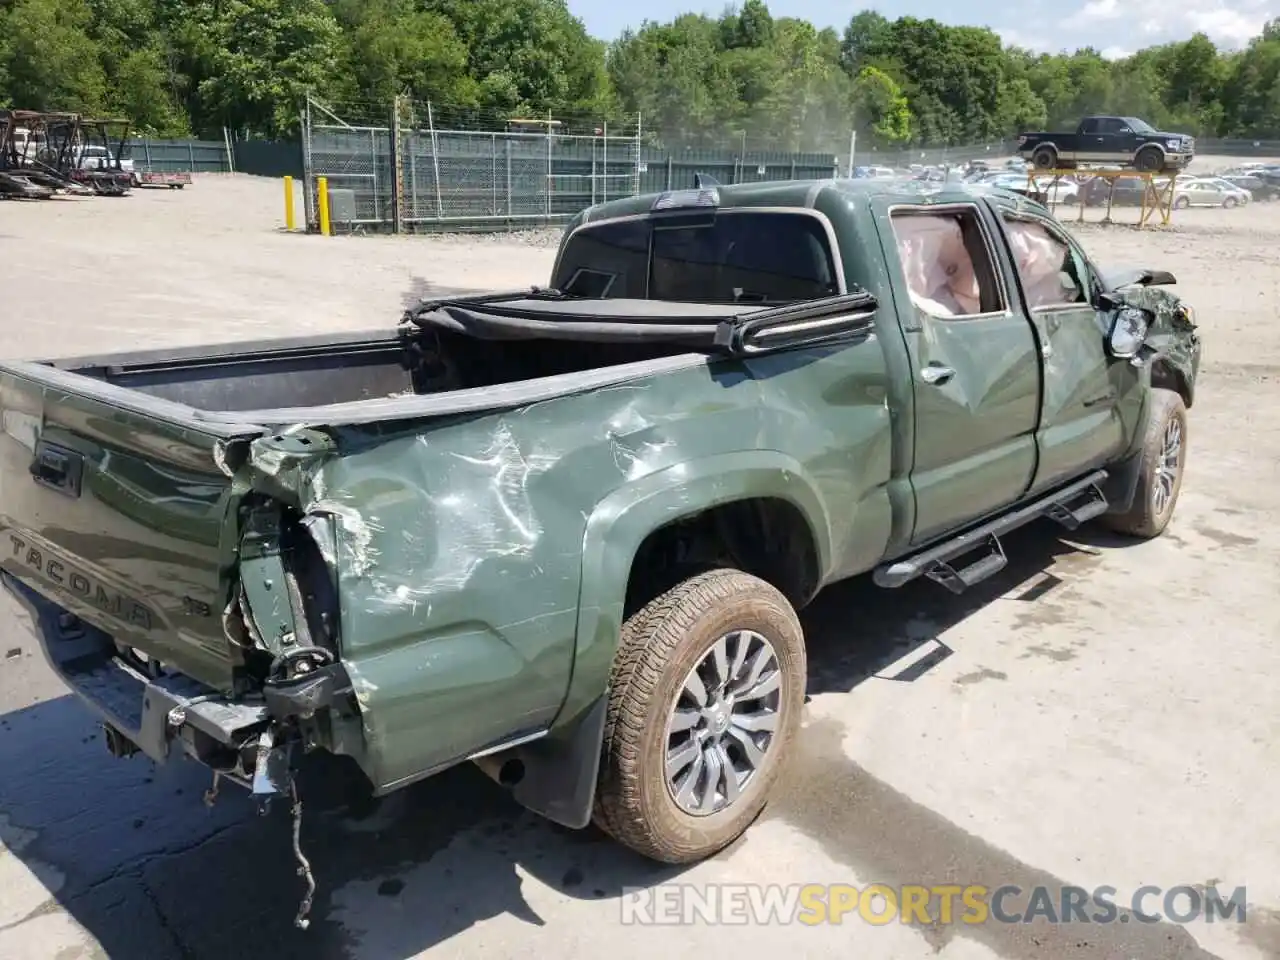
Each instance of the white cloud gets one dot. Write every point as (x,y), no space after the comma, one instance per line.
(1118,29)
(1100,10)
(1011,37)
(1225,26)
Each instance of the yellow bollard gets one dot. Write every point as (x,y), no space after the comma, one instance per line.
(289,222)
(322,188)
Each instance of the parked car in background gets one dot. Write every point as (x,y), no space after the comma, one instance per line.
(1016,182)
(1059,189)
(1209,192)
(94,157)
(1121,191)
(1259,188)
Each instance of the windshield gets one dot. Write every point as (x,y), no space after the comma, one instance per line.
(733,257)
(1139,126)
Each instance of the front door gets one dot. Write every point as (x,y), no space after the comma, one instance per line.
(1126,140)
(1089,141)
(975,370)
(1087,395)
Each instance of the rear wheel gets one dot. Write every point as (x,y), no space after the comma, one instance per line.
(1045,158)
(704,702)
(1149,160)
(1163,459)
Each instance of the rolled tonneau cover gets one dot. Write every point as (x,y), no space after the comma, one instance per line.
(604,321)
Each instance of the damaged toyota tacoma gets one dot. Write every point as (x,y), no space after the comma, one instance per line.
(563,533)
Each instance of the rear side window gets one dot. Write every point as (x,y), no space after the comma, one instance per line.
(735,257)
(947,263)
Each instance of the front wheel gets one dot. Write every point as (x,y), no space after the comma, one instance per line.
(1181,203)
(704,702)
(1229,202)
(1163,459)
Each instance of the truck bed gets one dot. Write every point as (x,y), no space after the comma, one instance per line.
(128,502)
(446,349)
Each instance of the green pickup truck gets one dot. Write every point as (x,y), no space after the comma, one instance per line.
(564,532)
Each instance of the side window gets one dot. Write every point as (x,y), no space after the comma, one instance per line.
(947,263)
(1052,274)
(1092,125)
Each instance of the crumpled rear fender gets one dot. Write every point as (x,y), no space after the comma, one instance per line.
(621,522)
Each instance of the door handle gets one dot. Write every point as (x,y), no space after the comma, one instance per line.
(936,374)
(57,468)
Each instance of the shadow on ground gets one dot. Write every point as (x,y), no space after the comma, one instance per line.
(132,853)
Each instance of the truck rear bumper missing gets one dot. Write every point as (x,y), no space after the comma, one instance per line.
(151,712)
(154,712)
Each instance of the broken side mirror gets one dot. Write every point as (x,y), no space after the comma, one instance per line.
(1128,332)
(1103,300)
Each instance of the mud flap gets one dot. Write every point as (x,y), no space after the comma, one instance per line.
(1121,486)
(555,776)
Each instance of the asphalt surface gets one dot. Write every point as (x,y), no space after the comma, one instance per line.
(1101,713)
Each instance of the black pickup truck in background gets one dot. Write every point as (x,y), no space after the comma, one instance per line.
(1115,141)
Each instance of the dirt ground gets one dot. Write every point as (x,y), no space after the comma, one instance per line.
(1101,713)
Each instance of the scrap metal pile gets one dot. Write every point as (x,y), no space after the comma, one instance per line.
(43,155)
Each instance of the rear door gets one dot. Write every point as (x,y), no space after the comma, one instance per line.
(120,514)
(1089,145)
(1087,395)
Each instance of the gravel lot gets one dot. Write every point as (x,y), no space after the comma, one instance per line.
(1100,714)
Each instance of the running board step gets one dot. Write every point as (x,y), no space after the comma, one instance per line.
(1092,503)
(960,580)
(1071,506)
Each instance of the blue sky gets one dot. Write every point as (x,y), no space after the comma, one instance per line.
(1038,24)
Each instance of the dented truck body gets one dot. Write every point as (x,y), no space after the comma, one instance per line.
(418,546)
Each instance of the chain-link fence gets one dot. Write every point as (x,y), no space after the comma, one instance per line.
(464,176)
(412,166)
(410,175)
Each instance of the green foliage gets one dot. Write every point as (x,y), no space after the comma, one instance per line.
(879,102)
(178,67)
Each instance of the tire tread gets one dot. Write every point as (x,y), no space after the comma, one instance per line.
(650,639)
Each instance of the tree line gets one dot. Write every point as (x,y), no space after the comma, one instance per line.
(193,67)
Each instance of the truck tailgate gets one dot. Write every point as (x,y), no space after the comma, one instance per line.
(121,517)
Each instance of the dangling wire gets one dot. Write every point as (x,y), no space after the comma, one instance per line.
(304,865)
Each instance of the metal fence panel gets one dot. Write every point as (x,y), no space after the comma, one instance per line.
(179,156)
(356,159)
(268,158)
(1239,148)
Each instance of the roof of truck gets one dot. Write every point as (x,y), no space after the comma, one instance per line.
(805,194)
